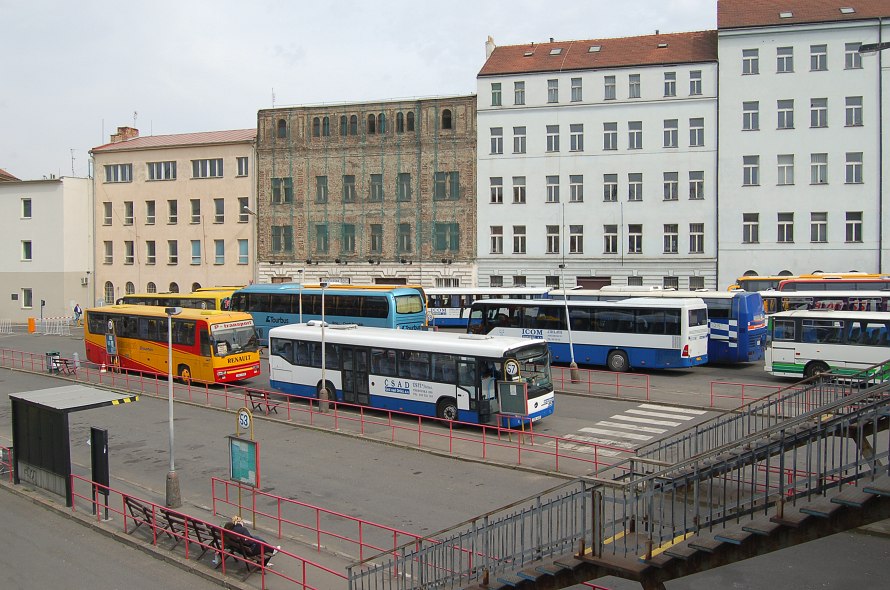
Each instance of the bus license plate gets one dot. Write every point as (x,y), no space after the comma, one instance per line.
(238,375)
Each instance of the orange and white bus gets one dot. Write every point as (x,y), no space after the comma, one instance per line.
(208,346)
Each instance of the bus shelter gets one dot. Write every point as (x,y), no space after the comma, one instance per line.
(40,434)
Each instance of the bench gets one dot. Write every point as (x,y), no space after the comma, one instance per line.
(175,525)
(259,400)
(207,535)
(62,365)
(139,512)
(236,547)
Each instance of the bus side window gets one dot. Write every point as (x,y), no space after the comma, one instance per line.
(205,342)
(784,330)
(283,349)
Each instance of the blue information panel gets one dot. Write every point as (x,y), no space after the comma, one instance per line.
(243,461)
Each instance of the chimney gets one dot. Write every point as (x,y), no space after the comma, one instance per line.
(551,39)
(124,133)
(489,47)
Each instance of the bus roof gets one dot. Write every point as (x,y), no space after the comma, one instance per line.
(188,313)
(827,314)
(654,293)
(444,342)
(633,302)
(338,287)
(487,290)
(825,294)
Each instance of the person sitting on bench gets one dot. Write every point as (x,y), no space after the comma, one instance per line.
(253,545)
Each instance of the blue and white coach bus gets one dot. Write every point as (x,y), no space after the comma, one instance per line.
(449,307)
(634,333)
(452,376)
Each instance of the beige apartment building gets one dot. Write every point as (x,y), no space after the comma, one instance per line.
(173,212)
(376,192)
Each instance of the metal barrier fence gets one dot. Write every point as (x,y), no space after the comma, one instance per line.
(55,326)
(6,463)
(6,327)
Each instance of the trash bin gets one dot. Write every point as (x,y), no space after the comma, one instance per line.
(32,325)
(52,361)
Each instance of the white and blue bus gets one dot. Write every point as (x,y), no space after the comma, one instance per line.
(381,306)
(452,376)
(642,332)
(736,320)
(449,307)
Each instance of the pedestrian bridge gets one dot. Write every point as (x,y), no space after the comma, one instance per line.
(805,462)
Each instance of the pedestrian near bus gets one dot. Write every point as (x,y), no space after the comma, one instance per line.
(77,313)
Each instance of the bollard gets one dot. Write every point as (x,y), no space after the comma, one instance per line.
(32,325)
(76,358)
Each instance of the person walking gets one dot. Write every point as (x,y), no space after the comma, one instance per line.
(77,313)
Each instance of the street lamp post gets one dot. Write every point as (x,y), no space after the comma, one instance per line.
(323,392)
(302,272)
(174,497)
(573,366)
(253,235)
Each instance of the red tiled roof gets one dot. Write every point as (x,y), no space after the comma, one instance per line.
(693,47)
(6,176)
(179,140)
(759,13)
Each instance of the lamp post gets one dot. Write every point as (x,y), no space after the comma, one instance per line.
(302,272)
(174,497)
(323,392)
(573,366)
(253,236)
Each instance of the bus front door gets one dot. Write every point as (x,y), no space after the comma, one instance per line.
(355,375)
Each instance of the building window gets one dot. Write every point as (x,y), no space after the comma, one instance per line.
(695,83)
(400,122)
(28,298)
(243,252)
(446,186)
(853,111)
(27,254)
(172,252)
(405,241)
(219,210)
(347,241)
(496,281)
(151,288)
(609,88)
(577,137)
(518,239)
(172,212)
(634,135)
(211,168)
(409,121)
(750,228)
(497,140)
(635,238)
(196,211)
(750,116)
(785,110)
(551,282)
(552,91)
(242,162)
(854,168)
(283,190)
(635,186)
(819,227)
(519,190)
(553,189)
(495,94)
(610,136)
(576,188)
(519,281)
(670,283)
(243,215)
(404,186)
(819,112)
(854,226)
(610,188)
(321,189)
(283,238)
(150,252)
(107,213)
(696,283)
(785,228)
(852,57)
(697,238)
(750,170)
(670,84)
(376,189)
(219,251)
(349,188)
(26,208)
(750,61)
(784,60)
(376,238)
(552,239)
(671,238)
(447,121)
(696,132)
(519,140)
(818,168)
(818,58)
(496,187)
(696,184)
(671,186)
(786,169)
(576,90)
(149,212)
(119,173)
(633,86)
(281,129)
(576,239)
(173,288)
(519,92)
(108,247)
(162,170)
(497,239)
(196,252)
(552,138)
(670,133)
(610,239)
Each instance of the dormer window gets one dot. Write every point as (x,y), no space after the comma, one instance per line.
(594,48)
(556,51)
(788,14)
(662,45)
(847,10)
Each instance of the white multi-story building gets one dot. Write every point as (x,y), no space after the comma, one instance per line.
(49,255)
(597,162)
(803,137)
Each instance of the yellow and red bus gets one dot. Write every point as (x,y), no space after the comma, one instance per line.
(208,346)
(202,298)
(765,282)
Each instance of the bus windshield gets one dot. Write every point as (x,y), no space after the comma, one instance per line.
(234,340)
(409,304)
(534,362)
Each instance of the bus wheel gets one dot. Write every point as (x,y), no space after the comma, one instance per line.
(329,386)
(617,361)
(446,409)
(815,368)
(185,373)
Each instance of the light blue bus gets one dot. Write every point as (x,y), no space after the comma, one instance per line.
(381,306)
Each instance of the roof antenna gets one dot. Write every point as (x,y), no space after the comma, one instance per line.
(135,114)
(273,98)
(72,162)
